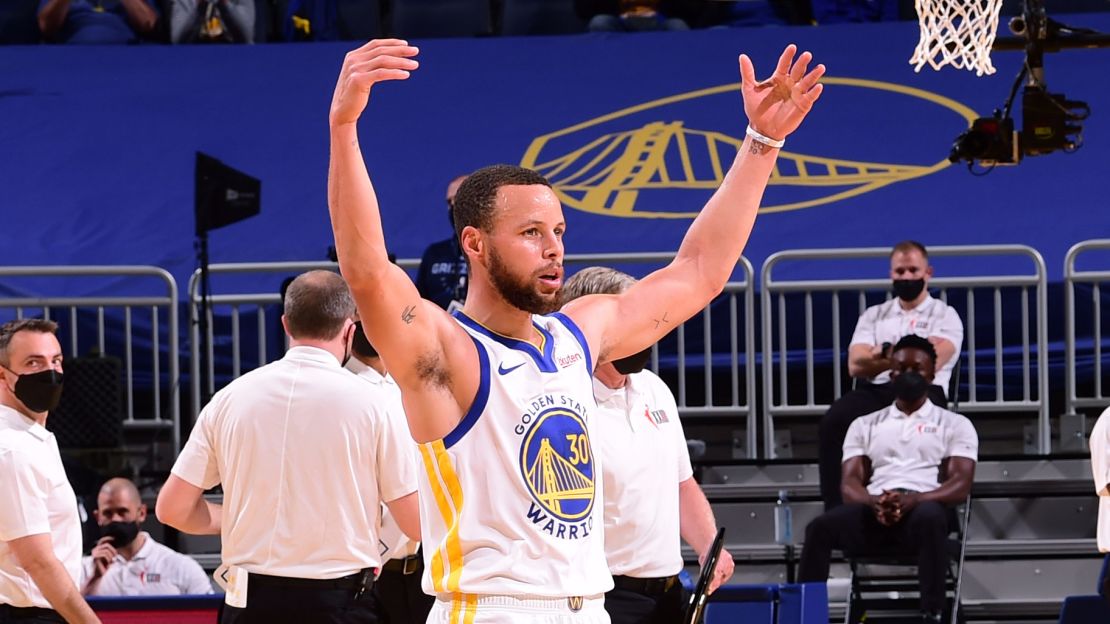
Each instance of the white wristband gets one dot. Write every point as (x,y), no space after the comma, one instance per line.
(766,140)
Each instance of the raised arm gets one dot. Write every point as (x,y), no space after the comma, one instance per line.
(627,323)
(429,355)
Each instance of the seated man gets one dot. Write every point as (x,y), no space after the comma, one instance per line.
(212,21)
(894,500)
(97,21)
(127,561)
(634,15)
(911,311)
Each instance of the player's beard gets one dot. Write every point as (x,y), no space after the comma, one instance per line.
(521,294)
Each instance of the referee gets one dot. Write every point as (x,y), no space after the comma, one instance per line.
(306,458)
(40,534)
(397,589)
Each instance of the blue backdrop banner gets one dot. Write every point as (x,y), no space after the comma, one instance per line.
(634,131)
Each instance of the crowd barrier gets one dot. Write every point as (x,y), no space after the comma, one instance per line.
(711,360)
(118,326)
(247,294)
(984,393)
(1073,279)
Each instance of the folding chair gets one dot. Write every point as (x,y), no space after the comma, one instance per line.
(874,582)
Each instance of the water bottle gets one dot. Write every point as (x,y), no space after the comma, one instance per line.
(784,533)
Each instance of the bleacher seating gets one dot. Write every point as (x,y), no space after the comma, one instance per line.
(441,18)
(539,17)
(19,22)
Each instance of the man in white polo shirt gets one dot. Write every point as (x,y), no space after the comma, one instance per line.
(912,311)
(127,561)
(397,589)
(1100,466)
(651,498)
(40,534)
(894,500)
(306,457)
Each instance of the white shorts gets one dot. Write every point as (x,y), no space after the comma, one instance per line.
(476,609)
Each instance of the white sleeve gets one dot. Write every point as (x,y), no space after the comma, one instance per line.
(22,497)
(855,442)
(951,329)
(865,328)
(396,455)
(197,462)
(963,441)
(193,582)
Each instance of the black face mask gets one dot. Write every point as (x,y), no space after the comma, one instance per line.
(40,391)
(122,533)
(910,386)
(347,339)
(633,363)
(908,290)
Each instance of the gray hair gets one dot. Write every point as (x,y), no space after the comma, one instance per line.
(595,281)
(317,305)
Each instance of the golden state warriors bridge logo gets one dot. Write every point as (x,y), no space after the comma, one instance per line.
(557,464)
(652,160)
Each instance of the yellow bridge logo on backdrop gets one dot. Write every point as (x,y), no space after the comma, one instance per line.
(627,164)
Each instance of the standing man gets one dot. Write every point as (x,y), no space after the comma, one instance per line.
(398,586)
(651,497)
(40,534)
(1100,466)
(501,396)
(912,311)
(441,278)
(305,457)
(127,561)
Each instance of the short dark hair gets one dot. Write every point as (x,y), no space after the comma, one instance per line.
(11,328)
(909,245)
(474,199)
(317,304)
(913,341)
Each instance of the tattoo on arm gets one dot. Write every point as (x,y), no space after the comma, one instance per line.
(661,321)
(757,147)
(408,315)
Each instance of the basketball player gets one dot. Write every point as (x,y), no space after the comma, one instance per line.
(500,397)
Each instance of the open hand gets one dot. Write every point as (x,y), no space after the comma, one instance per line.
(776,106)
(377,61)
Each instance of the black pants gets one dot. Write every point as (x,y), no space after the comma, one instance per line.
(630,607)
(401,599)
(865,399)
(854,530)
(29,615)
(278,604)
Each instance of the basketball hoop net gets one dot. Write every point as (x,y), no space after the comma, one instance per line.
(959,33)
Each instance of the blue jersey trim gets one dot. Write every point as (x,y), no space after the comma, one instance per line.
(573,328)
(480,399)
(544,359)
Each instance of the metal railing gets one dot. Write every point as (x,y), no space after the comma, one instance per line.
(1073,277)
(776,362)
(738,352)
(164,410)
(233,304)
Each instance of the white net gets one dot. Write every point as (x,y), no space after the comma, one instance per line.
(959,33)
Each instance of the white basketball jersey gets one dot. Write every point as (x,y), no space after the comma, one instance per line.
(511,500)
